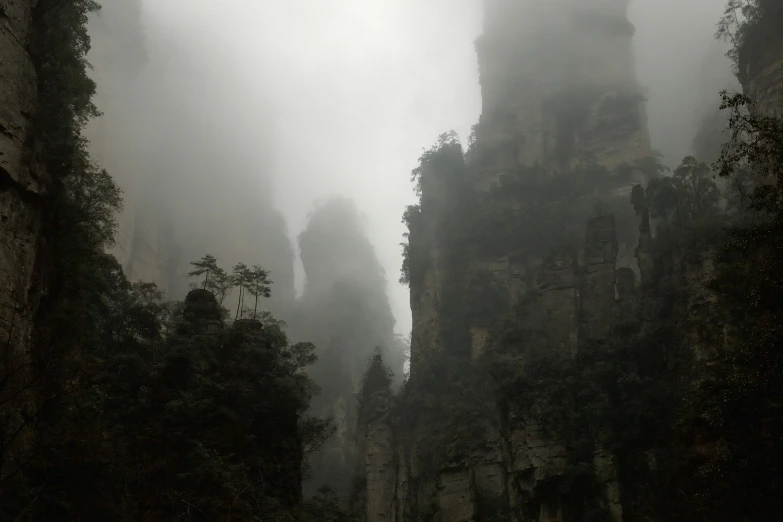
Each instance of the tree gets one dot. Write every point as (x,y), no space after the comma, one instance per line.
(755,146)
(205,266)
(239,281)
(701,194)
(689,195)
(664,198)
(221,285)
(651,166)
(258,284)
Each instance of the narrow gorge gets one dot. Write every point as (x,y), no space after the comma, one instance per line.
(198,321)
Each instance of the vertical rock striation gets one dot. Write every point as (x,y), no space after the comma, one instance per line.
(558,87)
(559,94)
(761,62)
(23,181)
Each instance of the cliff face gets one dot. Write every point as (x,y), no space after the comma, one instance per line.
(761,65)
(565,300)
(497,234)
(23,181)
(558,86)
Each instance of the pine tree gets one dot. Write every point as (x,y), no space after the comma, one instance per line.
(206,266)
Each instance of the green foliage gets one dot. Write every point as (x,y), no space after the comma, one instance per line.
(488,298)
(413,266)
(433,159)
(651,166)
(450,405)
(205,266)
(748,25)
(375,391)
(206,419)
(754,151)
(64,89)
(325,506)
(128,408)
(536,208)
(687,197)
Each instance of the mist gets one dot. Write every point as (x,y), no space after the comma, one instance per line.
(682,68)
(349,96)
(247,113)
(345,260)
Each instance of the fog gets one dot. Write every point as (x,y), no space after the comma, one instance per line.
(284,133)
(352,93)
(682,68)
(246,106)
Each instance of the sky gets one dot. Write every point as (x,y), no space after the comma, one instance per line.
(351,91)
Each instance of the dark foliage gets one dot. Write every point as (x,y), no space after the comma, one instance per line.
(126,407)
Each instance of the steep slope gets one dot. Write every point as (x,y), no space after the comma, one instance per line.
(499,241)
(760,57)
(584,348)
(535,284)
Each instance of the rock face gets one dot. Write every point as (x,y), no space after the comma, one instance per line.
(568,304)
(559,91)
(558,86)
(22,178)
(761,69)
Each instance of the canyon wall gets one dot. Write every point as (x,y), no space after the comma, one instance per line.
(498,233)
(558,86)
(760,62)
(23,179)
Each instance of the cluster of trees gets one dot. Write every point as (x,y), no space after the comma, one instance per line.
(687,196)
(246,280)
(125,406)
(746,24)
(704,437)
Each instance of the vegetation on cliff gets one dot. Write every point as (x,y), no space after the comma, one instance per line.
(749,26)
(126,407)
(684,393)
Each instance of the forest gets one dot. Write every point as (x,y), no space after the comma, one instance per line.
(119,402)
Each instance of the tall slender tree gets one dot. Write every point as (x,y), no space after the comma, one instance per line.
(259,285)
(240,279)
(205,266)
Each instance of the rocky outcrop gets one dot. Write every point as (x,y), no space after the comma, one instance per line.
(440,181)
(345,312)
(761,67)
(598,280)
(23,180)
(576,104)
(507,472)
(377,463)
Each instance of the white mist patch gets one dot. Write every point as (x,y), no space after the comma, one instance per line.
(352,91)
(675,53)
